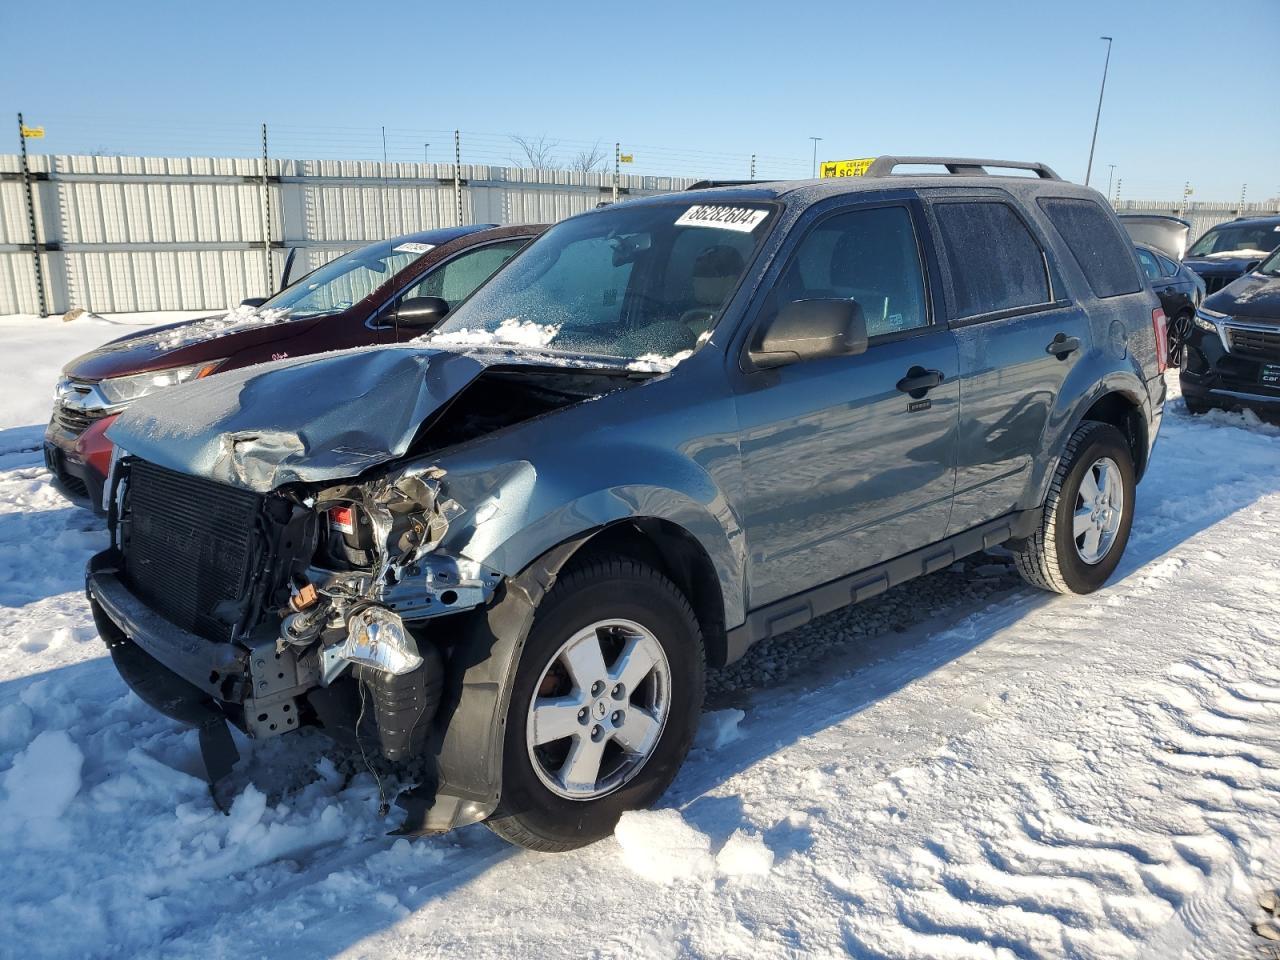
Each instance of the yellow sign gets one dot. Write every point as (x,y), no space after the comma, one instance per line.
(33,133)
(846,168)
(627,158)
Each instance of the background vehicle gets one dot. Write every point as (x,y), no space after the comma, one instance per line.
(669,429)
(1232,249)
(1232,352)
(1180,290)
(1166,234)
(381,293)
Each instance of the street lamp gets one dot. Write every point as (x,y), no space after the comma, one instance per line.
(815,155)
(1098,116)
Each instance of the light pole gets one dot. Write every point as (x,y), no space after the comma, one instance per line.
(815,155)
(1098,116)
(1111,172)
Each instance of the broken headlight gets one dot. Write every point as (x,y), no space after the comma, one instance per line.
(126,389)
(377,638)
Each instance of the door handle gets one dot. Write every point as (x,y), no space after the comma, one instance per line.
(1062,346)
(920,381)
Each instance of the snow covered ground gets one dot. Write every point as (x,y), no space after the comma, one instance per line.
(1005,774)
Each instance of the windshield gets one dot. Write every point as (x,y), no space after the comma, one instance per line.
(345,281)
(1244,239)
(1271,266)
(636,281)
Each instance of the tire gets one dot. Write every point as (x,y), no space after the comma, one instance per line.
(534,811)
(1052,558)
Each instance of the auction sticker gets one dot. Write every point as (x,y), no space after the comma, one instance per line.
(414,247)
(741,219)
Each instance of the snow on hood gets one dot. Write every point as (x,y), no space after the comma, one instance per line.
(209,328)
(319,418)
(657,363)
(1245,253)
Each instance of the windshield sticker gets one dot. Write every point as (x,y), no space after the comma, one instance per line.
(741,219)
(414,247)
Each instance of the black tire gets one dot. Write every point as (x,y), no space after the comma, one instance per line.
(531,815)
(1050,559)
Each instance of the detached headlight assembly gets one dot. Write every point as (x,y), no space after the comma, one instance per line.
(126,389)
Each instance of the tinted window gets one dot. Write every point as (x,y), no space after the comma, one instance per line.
(1149,265)
(1167,267)
(1100,249)
(996,264)
(458,278)
(867,255)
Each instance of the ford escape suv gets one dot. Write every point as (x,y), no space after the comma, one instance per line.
(379,293)
(666,430)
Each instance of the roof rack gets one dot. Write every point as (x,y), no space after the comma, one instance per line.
(960,166)
(706,184)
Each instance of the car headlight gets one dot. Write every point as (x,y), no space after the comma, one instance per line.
(126,389)
(376,637)
(1211,321)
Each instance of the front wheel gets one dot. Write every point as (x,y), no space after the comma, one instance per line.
(603,708)
(1087,515)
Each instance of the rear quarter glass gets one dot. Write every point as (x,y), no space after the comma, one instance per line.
(1098,246)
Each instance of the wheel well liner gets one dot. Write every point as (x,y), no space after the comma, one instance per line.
(671,549)
(1123,413)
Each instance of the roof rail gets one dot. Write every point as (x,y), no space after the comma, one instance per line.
(704,184)
(961,166)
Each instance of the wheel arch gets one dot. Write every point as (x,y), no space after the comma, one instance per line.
(1124,412)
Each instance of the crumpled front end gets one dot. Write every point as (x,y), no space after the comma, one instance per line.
(288,609)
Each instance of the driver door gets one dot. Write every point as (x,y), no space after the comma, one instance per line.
(842,465)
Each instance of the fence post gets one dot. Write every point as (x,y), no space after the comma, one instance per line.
(31,220)
(457,174)
(266,218)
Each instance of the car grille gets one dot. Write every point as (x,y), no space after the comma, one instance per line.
(1255,343)
(188,546)
(72,420)
(1214,284)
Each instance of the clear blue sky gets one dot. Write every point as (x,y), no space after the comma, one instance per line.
(689,88)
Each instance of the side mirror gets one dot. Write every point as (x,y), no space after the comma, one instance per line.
(421,312)
(811,329)
(253,301)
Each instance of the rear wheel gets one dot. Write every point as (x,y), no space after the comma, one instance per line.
(603,708)
(1087,515)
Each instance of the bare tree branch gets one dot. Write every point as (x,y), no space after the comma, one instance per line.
(589,161)
(538,153)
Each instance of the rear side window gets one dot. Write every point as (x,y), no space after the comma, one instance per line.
(1150,266)
(1100,249)
(996,264)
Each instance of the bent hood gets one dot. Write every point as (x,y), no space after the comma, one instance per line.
(320,418)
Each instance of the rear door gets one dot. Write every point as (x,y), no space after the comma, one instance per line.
(1017,342)
(842,468)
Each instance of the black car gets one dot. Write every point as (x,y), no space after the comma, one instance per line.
(1232,352)
(1180,290)
(1231,250)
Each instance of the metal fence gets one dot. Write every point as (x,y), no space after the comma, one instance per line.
(125,234)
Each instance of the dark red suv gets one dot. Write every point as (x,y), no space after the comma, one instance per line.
(381,293)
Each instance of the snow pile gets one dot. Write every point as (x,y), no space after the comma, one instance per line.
(744,855)
(44,779)
(718,728)
(661,847)
(512,331)
(238,319)
(657,363)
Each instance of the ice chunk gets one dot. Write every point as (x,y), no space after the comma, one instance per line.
(744,855)
(661,847)
(44,778)
(657,363)
(718,728)
(514,331)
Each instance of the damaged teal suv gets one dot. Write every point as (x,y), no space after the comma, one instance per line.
(666,430)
